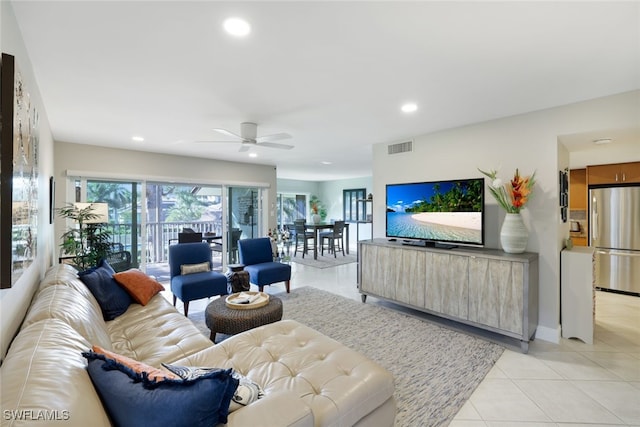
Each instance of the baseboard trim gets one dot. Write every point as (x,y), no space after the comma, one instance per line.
(548,334)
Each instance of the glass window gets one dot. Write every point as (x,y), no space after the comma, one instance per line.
(123,199)
(354,207)
(291,207)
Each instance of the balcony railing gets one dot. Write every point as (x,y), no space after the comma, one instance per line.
(159,235)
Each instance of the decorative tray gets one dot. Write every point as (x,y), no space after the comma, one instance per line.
(247,300)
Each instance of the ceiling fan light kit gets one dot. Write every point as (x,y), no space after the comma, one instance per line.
(248,130)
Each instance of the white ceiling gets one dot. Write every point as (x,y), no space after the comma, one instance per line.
(331,74)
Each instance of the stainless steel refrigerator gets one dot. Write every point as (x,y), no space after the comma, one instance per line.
(614,222)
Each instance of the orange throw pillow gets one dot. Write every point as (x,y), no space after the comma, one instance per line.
(140,286)
(154,374)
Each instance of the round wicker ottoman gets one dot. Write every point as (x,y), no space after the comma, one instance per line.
(224,320)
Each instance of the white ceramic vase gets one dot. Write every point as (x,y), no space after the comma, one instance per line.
(513,234)
(316,218)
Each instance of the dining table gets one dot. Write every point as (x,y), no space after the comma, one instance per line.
(317,226)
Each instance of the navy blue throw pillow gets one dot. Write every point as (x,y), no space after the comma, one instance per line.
(111,297)
(131,400)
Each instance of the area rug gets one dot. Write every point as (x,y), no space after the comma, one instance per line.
(435,369)
(324,261)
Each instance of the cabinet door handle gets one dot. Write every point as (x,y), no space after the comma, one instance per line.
(616,177)
(624,176)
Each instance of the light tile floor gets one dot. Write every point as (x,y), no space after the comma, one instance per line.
(566,384)
(570,383)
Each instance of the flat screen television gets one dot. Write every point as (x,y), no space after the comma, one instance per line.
(428,213)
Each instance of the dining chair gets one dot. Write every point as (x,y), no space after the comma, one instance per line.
(188,235)
(232,247)
(234,237)
(334,236)
(302,236)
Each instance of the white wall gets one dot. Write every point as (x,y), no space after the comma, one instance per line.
(331,194)
(528,142)
(14,301)
(294,186)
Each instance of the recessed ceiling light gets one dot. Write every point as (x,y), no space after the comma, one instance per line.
(602,141)
(137,138)
(253,154)
(326,162)
(409,107)
(237,27)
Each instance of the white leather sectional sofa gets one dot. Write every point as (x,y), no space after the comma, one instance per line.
(308,378)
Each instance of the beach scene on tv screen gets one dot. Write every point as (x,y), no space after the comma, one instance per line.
(444,211)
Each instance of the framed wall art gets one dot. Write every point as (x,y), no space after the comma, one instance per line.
(52,199)
(19,175)
(563,178)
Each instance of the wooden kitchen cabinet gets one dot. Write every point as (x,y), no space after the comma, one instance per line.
(579,241)
(615,173)
(578,204)
(578,189)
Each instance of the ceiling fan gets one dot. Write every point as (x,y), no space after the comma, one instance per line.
(248,138)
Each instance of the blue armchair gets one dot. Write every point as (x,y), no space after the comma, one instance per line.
(257,257)
(194,285)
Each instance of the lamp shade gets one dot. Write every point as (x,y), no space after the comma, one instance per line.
(101,210)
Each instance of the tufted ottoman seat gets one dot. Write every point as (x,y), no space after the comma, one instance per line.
(339,386)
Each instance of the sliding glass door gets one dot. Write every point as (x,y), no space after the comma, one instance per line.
(146,217)
(123,199)
(178,208)
(244,217)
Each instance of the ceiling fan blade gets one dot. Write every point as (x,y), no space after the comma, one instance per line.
(226,142)
(275,145)
(273,137)
(227,133)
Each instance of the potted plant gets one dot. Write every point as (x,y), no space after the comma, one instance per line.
(318,211)
(87,241)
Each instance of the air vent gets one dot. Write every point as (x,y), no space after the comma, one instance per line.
(402,147)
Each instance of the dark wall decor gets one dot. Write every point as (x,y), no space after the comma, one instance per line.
(52,199)
(19,175)
(564,193)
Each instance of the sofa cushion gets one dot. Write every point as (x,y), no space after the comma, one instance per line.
(111,297)
(44,373)
(64,274)
(140,286)
(61,271)
(155,333)
(203,401)
(67,304)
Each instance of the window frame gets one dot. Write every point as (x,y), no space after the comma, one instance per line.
(349,196)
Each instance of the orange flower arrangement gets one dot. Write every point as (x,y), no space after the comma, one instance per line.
(514,195)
